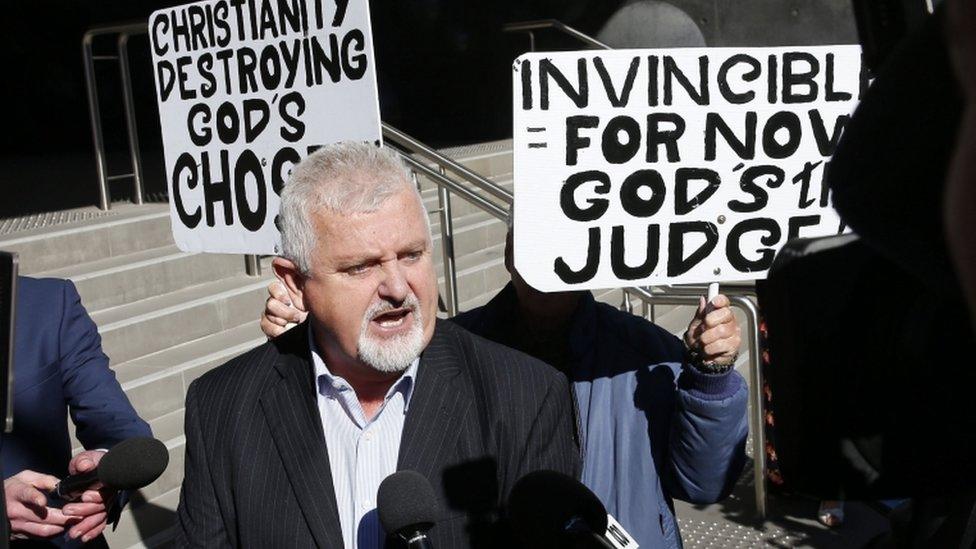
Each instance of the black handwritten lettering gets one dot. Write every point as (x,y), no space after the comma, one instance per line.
(682,204)
(618,262)
(678,262)
(733,246)
(588,271)
(597,206)
(630,198)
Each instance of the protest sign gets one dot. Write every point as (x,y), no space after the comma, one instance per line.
(644,167)
(246,89)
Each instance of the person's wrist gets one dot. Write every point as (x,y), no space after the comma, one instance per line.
(697,361)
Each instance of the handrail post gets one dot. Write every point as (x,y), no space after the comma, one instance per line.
(130,118)
(756,394)
(447,249)
(96,122)
(252,265)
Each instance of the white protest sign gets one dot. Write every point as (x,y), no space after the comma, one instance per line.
(246,89)
(644,167)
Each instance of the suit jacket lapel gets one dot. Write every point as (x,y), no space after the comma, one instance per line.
(438,406)
(289,404)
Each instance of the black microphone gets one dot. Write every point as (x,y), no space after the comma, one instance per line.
(129,465)
(408,508)
(550,509)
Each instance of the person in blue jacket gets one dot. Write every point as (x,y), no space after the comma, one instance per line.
(657,422)
(659,418)
(59,368)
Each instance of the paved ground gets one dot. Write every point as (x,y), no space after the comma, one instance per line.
(791,522)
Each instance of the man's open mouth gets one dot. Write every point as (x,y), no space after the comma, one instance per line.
(392,319)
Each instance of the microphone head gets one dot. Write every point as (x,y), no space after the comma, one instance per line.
(133,463)
(543,503)
(406,500)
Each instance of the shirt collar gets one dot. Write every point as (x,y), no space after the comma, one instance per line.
(324,377)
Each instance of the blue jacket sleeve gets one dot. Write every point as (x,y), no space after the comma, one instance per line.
(708,436)
(99,408)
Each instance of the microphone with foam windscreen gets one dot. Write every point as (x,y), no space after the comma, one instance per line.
(408,508)
(550,509)
(129,465)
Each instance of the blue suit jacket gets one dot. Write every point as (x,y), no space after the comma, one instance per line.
(59,367)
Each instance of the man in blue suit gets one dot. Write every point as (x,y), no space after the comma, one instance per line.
(59,368)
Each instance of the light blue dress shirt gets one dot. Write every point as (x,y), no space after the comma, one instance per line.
(361,453)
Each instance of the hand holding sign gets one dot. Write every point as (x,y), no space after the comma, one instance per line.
(714,332)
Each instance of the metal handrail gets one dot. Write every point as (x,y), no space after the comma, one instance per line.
(748,306)
(124,31)
(728,288)
(414,146)
(529,26)
(469,195)
(445,186)
(252,263)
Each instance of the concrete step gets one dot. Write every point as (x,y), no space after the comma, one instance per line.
(128,229)
(478,274)
(149,325)
(156,383)
(472,233)
(488,159)
(122,279)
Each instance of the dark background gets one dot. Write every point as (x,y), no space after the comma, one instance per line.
(443,69)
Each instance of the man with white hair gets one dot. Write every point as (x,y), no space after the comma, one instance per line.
(289,442)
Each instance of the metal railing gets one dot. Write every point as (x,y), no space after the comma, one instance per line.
(415,154)
(528,27)
(124,32)
(252,263)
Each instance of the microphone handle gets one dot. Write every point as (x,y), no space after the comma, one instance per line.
(418,540)
(71,485)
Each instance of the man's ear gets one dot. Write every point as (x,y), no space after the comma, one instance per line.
(293,279)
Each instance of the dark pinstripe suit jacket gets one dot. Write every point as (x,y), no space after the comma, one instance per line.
(257,467)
